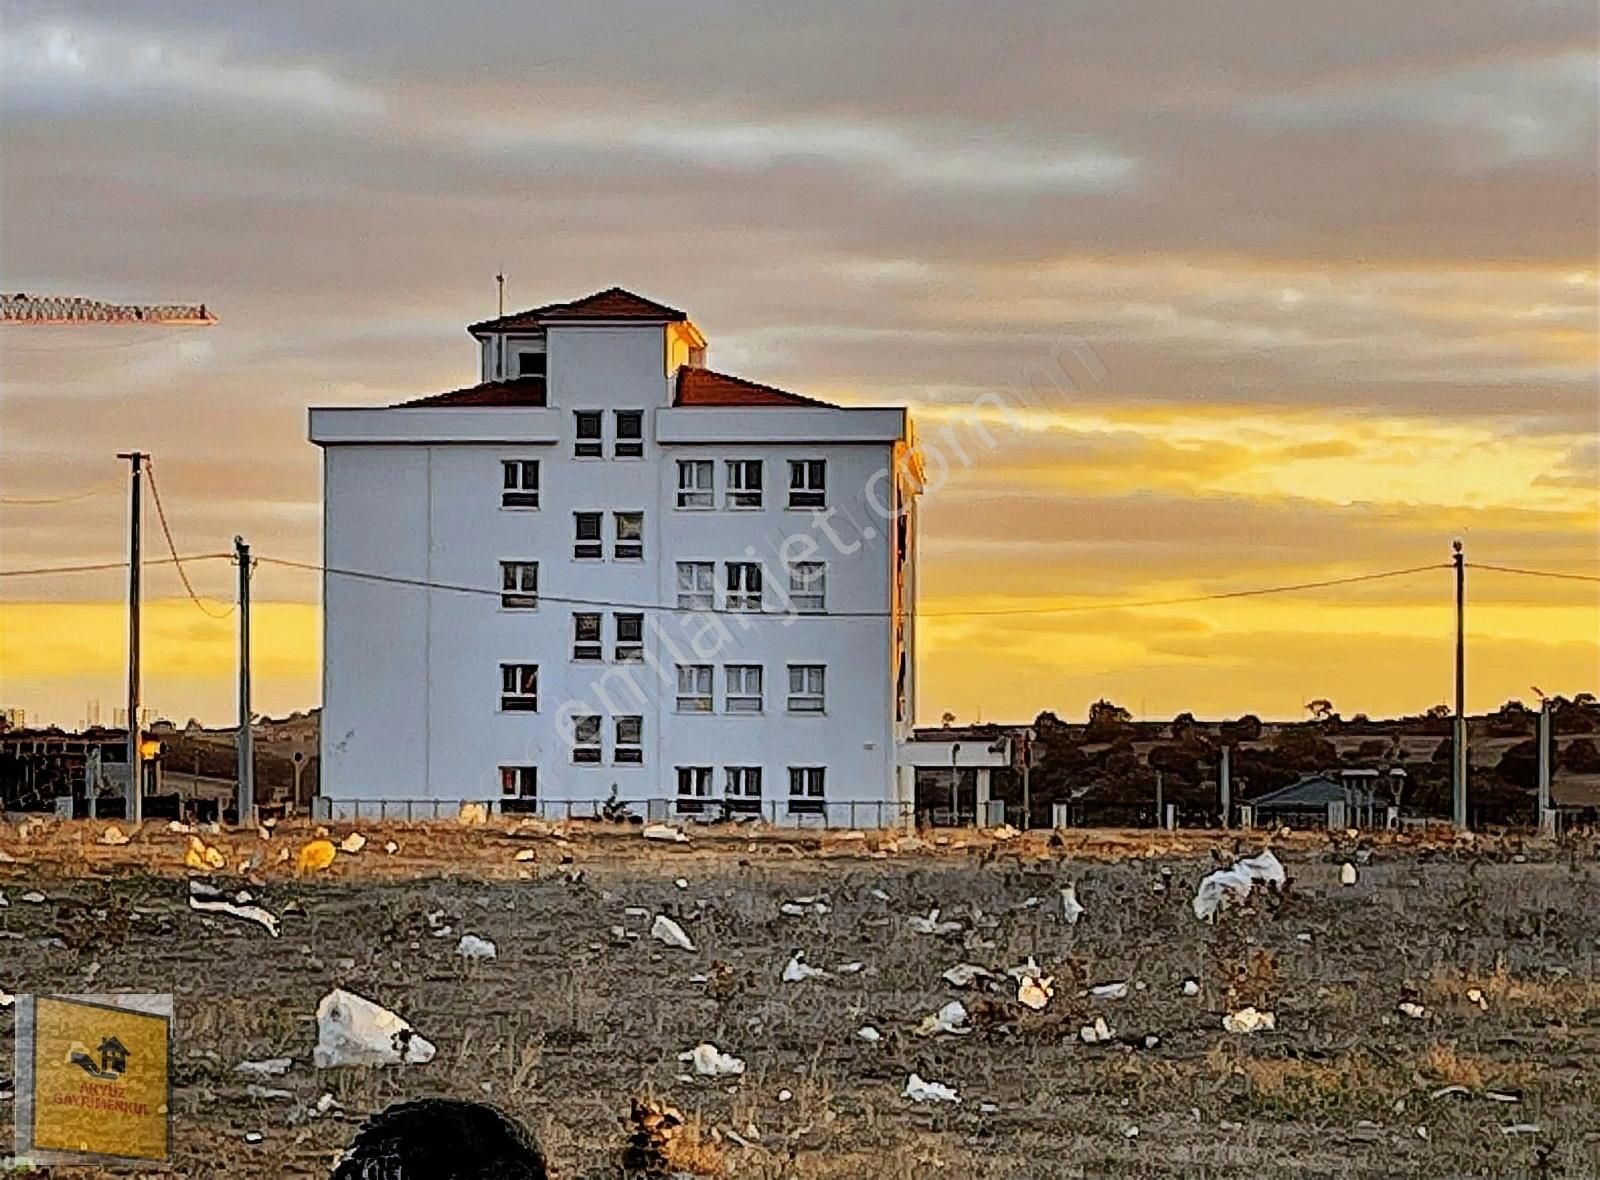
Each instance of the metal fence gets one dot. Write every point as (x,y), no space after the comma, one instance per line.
(776,813)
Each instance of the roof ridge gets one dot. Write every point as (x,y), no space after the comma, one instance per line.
(724,389)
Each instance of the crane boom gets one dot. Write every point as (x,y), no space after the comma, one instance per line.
(72,309)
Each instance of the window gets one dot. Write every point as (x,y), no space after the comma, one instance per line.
(519,585)
(530,364)
(808,483)
(694,788)
(744,585)
(742,789)
(519,483)
(630,638)
(744,483)
(519,688)
(694,688)
(630,535)
(586,739)
(519,782)
(694,484)
(629,746)
(744,688)
(696,585)
(587,427)
(629,442)
(808,586)
(586,543)
(807,787)
(805,688)
(586,645)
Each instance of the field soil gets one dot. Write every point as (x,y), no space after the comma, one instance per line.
(1491,945)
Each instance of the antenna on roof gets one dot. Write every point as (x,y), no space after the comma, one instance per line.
(500,283)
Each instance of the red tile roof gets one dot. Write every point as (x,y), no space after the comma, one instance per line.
(611,304)
(702,387)
(522,391)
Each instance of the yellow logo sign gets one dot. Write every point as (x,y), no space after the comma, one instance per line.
(99,1079)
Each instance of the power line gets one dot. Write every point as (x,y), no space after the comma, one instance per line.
(97,567)
(183,575)
(15,502)
(1511,569)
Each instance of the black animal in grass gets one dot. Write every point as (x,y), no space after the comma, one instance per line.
(441,1139)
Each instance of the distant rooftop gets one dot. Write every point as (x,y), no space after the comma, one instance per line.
(613,303)
(702,387)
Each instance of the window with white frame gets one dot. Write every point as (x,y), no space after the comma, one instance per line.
(629,744)
(531,364)
(629,544)
(519,483)
(519,782)
(630,638)
(807,789)
(808,483)
(586,643)
(629,440)
(743,693)
(519,585)
(744,484)
(744,586)
(694,788)
(588,429)
(696,585)
(695,489)
(586,739)
(586,543)
(808,586)
(742,787)
(806,688)
(694,688)
(519,688)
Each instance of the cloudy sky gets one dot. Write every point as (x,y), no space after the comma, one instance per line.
(1319,282)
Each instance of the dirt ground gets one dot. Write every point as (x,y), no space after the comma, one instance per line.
(572,1021)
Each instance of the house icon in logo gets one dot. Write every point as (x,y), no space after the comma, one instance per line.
(113,1060)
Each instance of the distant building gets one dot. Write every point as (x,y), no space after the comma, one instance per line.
(1306,803)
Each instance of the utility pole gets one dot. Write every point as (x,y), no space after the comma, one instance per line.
(1027,787)
(1546,750)
(1225,787)
(247,764)
(1458,793)
(134,812)
(1160,803)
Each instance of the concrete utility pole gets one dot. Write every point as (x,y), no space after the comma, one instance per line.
(1546,752)
(1458,792)
(135,797)
(247,763)
(1027,786)
(1225,787)
(1160,807)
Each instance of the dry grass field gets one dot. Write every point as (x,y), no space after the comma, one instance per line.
(574,1021)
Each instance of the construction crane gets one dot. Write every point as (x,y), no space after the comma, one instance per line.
(72,309)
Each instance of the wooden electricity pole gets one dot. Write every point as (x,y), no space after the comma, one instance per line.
(246,802)
(1458,778)
(135,797)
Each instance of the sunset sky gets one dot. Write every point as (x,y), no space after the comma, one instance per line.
(1323,278)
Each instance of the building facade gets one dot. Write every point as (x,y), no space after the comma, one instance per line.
(606,571)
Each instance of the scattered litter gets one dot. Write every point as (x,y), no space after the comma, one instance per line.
(851,968)
(932,925)
(801,906)
(951,1019)
(1234,884)
(179,829)
(1415,1011)
(315,856)
(711,1062)
(1071,909)
(1249,1020)
(682,882)
(879,894)
(1021,972)
(473,813)
(866,1033)
(473,947)
(1520,1129)
(1110,991)
(1447,1091)
(271,1067)
(1097,1033)
(785,1095)
(6,998)
(33,897)
(667,931)
(987,1108)
(967,975)
(352,1030)
(1130,1132)
(1005,832)
(1501,1096)
(326,1103)
(210,900)
(1347,874)
(257,1091)
(665,832)
(201,856)
(1422,1133)
(1034,991)
(114,836)
(921,1091)
(1191,987)
(1475,996)
(797,969)
(391,848)
(253,1136)
(1303,936)
(525,855)
(353,843)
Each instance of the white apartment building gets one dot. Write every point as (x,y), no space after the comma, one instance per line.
(608,571)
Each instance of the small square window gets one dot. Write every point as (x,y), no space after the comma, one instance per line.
(586,739)
(586,544)
(808,584)
(519,585)
(742,788)
(629,744)
(588,427)
(743,694)
(586,645)
(808,483)
(519,483)
(530,364)
(744,586)
(630,536)
(694,789)
(694,483)
(807,790)
(696,581)
(806,688)
(519,782)
(629,442)
(694,688)
(744,483)
(630,638)
(519,688)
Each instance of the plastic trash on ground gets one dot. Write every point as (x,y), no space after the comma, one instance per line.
(353,843)
(1249,1020)
(1191,987)
(950,1020)
(201,857)
(1097,1033)
(473,947)
(967,975)
(665,833)
(666,930)
(711,1062)
(354,1031)
(1234,884)
(867,1033)
(315,856)
(207,899)
(271,1067)
(473,813)
(1004,832)
(801,906)
(1110,991)
(796,970)
(6,998)
(919,1090)
(1071,908)
(114,836)
(1347,874)
(932,925)
(1414,1011)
